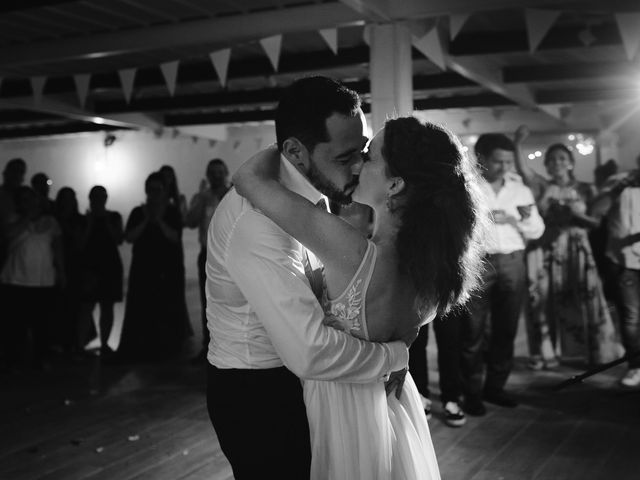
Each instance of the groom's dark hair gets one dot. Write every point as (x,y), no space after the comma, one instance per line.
(305,106)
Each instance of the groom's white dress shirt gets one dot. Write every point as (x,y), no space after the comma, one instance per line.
(261,312)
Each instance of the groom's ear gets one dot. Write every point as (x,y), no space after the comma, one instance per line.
(294,151)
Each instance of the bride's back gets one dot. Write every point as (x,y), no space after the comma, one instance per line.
(390,298)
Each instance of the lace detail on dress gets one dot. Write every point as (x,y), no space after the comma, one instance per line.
(349,308)
(348,311)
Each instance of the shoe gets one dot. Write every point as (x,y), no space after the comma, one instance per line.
(453,415)
(106,351)
(632,378)
(500,398)
(551,363)
(426,404)
(474,406)
(535,363)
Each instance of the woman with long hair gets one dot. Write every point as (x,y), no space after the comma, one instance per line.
(568,315)
(423,258)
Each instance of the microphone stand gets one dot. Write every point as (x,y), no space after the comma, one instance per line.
(589,373)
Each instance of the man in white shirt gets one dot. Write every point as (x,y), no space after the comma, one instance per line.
(265,322)
(515,221)
(619,200)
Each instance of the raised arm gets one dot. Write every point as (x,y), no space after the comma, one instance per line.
(266,265)
(525,171)
(335,242)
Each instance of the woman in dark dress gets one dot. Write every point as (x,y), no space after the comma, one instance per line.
(102,271)
(72,223)
(154,323)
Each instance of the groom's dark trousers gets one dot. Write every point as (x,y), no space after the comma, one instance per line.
(261,422)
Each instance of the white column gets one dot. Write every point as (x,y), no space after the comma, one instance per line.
(607,147)
(390,70)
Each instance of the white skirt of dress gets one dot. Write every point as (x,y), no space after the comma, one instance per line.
(357,432)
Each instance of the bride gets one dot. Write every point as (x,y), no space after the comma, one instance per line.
(422,259)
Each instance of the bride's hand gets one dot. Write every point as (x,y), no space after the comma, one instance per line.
(395,382)
(264,165)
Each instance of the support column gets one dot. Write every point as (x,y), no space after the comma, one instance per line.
(391,71)
(607,147)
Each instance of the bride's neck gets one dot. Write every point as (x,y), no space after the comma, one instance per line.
(385,229)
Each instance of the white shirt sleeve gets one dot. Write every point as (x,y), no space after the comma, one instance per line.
(266,265)
(532,227)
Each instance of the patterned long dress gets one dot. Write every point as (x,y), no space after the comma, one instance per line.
(567,313)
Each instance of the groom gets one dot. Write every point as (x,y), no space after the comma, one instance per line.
(264,319)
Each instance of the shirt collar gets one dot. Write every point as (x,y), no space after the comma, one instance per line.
(291,178)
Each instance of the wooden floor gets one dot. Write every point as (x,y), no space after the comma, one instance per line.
(95,422)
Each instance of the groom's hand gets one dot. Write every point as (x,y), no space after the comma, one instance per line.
(395,382)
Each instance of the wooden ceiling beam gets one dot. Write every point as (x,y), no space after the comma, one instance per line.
(228,98)
(216,32)
(7,6)
(410,9)
(512,41)
(375,11)
(59,129)
(63,106)
(570,71)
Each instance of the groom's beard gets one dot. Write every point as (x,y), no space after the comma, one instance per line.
(330,189)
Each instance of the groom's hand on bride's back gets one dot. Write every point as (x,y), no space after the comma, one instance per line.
(395,382)
(396,379)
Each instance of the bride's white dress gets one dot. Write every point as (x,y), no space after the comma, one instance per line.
(357,431)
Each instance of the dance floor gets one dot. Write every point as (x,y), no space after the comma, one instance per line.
(88,421)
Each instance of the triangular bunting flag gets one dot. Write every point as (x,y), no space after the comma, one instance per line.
(553,110)
(330,36)
(82,87)
(539,22)
(431,47)
(220,60)
(629,26)
(37,86)
(127,77)
(271,47)
(170,74)
(456,22)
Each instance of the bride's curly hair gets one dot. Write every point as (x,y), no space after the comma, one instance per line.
(443,218)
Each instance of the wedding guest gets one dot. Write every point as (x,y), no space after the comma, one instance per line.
(72,225)
(33,268)
(155,314)
(12,178)
(102,270)
(598,235)
(567,309)
(620,202)
(176,198)
(201,209)
(503,288)
(41,184)
(447,335)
